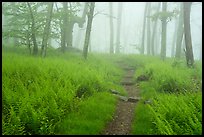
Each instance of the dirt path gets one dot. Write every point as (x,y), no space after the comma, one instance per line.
(122,120)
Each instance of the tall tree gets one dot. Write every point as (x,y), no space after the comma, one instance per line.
(72,19)
(164,24)
(148,28)
(64,26)
(68,19)
(154,30)
(117,50)
(179,33)
(35,47)
(88,28)
(111,27)
(143,30)
(47,28)
(187,33)
(81,31)
(174,39)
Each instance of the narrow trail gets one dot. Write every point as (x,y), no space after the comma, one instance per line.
(122,120)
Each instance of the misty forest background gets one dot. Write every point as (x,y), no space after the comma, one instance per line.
(59,59)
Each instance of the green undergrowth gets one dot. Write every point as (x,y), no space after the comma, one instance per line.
(174,93)
(91,116)
(38,92)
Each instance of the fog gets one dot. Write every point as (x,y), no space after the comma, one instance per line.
(131,28)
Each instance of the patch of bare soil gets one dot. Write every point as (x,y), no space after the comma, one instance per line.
(122,120)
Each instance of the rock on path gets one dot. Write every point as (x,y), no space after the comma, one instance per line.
(122,120)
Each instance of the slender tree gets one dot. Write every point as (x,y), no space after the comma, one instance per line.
(164,24)
(64,25)
(143,30)
(47,28)
(174,39)
(111,27)
(88,28)
(148,29)
(154,31)
(187,33)
(118,27)
(35,47)
(180,33)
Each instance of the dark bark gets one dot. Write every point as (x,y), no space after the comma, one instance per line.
(88,28)
(81,20)
(35,46)
(70,21)
(164,24)
(144,25)
(179,33)
(111,27)
(117,50)
(47,29)
(187,33)
(64,26)
(148,29)
(28,42)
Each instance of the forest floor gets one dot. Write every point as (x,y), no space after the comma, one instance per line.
(123,117)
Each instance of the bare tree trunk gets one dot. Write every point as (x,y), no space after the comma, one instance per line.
(164,24)
(28,42)
(47,29)
(148,29)
(201,46)
(88,28)
(81,22)
(64,26)
(118,28)
(144,25)
(154,31)
(179,33)
(89,44)
(187,33)
(111,27)
(174,39)
(158,40)
(35,47)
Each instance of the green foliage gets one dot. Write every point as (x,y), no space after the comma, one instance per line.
(167,15)
(177,114)
(40,92)
(175,92)
(91,117)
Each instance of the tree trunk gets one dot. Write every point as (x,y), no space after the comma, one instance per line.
(64,26)
(111,27)
(35,46)
(158,40)
(81,22)
(70,26)
(154,31)
(88,28)
(28,42)
(174,39)
(179,33)
(164,24)
(148,28)
(187,33)
(143,32)
(118,28)
(47,29)
(89,50)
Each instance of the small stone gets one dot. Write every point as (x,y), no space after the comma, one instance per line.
(114,91)
(133,99)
